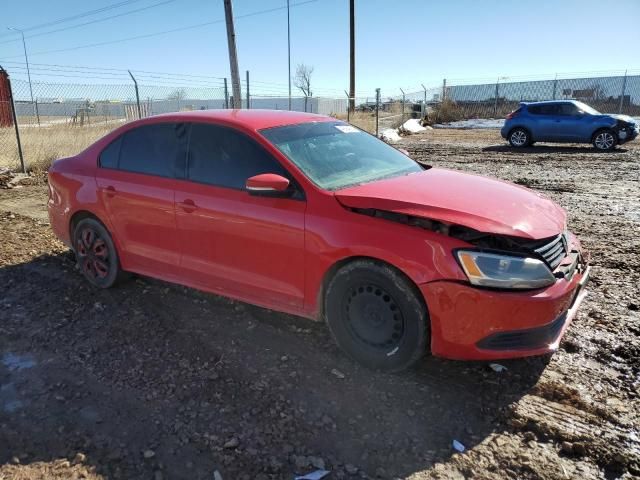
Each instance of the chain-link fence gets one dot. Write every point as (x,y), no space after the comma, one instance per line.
(459,99)
(41,121)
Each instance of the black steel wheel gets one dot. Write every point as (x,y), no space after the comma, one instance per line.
(376,316)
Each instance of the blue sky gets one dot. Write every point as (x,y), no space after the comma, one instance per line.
(398,43)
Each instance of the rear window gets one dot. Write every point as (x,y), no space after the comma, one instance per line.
(542,109)
(109,156)
(158,149)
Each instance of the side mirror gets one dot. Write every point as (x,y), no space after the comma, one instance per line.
(268,185)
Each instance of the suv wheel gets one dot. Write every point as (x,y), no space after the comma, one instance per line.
(604,140)
(376,316)
(519,137)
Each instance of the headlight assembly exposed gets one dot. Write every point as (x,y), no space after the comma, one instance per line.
(504,271)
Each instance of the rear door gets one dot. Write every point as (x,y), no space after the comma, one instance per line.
(248,246)
(136,182)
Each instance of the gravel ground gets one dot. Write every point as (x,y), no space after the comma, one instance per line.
(152,380)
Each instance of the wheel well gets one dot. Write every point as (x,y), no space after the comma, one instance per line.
(598,130)
(330,273)
(80,215)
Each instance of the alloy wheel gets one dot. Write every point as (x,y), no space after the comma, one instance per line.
(93,254)
(604,141)
(519,138)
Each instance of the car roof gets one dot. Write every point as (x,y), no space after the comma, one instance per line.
(548,102)
(252,119)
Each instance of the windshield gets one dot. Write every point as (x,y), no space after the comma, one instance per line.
(336,155)
(587,109)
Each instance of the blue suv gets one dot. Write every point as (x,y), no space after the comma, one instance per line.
(568,122)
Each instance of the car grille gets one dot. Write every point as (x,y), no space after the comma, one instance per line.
(554,251)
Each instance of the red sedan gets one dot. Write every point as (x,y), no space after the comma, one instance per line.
(308,215)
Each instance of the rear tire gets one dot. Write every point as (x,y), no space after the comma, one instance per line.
(519,138)
(605,140)
(376,316)
(96,254)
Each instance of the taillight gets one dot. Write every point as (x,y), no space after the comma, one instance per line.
(512,114)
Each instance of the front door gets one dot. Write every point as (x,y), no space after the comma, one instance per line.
(247,246)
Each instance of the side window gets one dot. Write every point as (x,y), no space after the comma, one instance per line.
(549,109)
(158,149)
(225,157)
(109,156)
(567,109)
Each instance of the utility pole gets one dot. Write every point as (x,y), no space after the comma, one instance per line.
(352,57)
(289,51)
(26,60)
(233,55)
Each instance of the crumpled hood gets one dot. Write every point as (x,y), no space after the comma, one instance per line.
(481,203)
(624,118)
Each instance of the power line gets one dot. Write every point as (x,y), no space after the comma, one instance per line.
(164,32)
(93,21)
(79,15)
(111,69)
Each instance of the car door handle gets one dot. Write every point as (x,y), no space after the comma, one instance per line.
(188,205)
(109,191)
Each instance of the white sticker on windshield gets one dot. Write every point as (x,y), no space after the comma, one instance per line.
(347,129)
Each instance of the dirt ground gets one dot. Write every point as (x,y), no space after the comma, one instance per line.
(156,381)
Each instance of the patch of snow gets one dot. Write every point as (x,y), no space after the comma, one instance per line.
(390,135)
(412,126)
(473,123)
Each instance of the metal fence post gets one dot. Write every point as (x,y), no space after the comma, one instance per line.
(402,105)
(377,108)
(555,83)
(37,112)
(348,109)
(248,94)
(495,104)
(226,94)
(135,84)
(15,121)
(624,86)
(444,90)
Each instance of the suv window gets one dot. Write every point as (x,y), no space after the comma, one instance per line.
(567,109)
(544,109)
(225,157)
(158,149)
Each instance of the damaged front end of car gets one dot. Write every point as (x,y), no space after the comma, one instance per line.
(626,128)
(502,261)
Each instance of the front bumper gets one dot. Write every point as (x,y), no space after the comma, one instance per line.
(469,323)
(627,134)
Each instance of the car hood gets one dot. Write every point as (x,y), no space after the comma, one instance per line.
(624,118)
(473,201)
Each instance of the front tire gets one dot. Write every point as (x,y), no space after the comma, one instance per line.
(519,138)
(376,316)
(96,254)
(605,140)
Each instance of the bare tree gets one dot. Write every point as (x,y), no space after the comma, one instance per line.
(177,94)
(302,81)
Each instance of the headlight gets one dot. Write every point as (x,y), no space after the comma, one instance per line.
(504,271)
